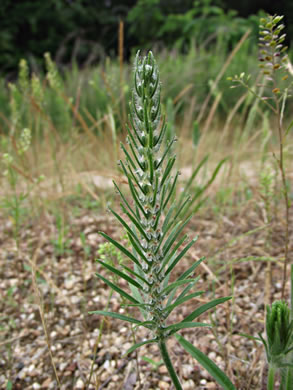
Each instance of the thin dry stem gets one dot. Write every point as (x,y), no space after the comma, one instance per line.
(42,315)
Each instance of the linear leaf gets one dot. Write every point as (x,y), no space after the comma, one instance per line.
(184,325)
(181,254)
(138,345)
(168,216)
(173,253)
(146,324)
(171,190)
(121,248)
(136,294)
(191,269)
(117,289)
(124,199)
(195,172)
(128,156)
(137,248)
(168,168)
(120,274)
(135,274)
(205,187)
(134,220)
(178,212)
(176,284)
(182,300)
(172,238)
(124,224)
(187,288)
(204,308)
(208,364)
(115,315)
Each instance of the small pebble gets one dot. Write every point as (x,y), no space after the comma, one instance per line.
(79,384)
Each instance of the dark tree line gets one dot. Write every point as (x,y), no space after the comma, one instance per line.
(86,30)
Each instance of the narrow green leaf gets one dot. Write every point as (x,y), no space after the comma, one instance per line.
(121,248)
(136,294)
(115,315)
(178,212)
(135,155)
(173,285)
(124,199)
(181,254)
(171,190)
(128,156)
(184,325)
(173,253)
(134,178)
(178,302)
(146,324)
(135,274)
(248,336)
(168,168)
(117,289)
(173,232)
(138,345)
(207,363)
(124,224)
(168,216)
(187,288)
(205,187)
(173,236)
(194,174)
(204,308)
(131,136)
(162,133)
(166,152)
(135,221)
(120,274)
(191,269)
(138,249)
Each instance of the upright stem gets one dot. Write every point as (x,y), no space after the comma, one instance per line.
(169,365)
(271,378)
(283,173)
(285,194)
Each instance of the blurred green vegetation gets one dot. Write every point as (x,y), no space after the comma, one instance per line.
(86,31)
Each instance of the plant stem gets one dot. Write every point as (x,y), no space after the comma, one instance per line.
(271,378)
(97,342)
(284,184)
(169,365)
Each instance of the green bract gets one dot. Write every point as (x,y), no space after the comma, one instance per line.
(153,228)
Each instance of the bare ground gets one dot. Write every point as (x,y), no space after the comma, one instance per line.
(64,286)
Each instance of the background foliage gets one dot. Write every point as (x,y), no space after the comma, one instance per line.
(86,30)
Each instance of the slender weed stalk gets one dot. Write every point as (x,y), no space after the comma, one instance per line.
(273,63)
(154,230)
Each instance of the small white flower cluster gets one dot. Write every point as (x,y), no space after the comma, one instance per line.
(24,140)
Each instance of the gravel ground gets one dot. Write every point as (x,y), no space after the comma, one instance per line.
(39,277)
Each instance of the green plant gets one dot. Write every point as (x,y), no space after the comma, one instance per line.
(273,64)
(279,342)
(15,204)
(154,229)
(61,243)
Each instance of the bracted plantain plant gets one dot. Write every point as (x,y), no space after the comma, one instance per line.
(154,229)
